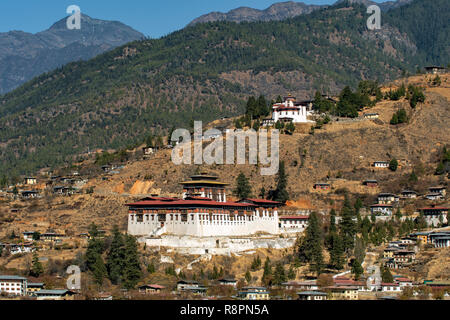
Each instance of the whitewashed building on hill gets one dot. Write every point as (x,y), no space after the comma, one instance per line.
(289,111)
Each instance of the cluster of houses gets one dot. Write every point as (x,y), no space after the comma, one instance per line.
(344,288)
(58,185)
(12,285)
(399,254)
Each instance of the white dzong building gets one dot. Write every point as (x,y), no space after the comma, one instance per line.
(289,111)
(203,212)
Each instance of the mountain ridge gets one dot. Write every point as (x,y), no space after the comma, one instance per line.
(23,55)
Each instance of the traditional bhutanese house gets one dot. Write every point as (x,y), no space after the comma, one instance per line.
(440,190)
(343,292)
(150,288)
(312,295)
(381,164)
(183,285)
(51,236)
(228,282)
(56,294)
(409,194)
(381,209)
(62,190)
(322,186)
(370,183)
(438,284)
(28,235)
(390,287)
(389,252)
(403,282)
(290,111)
(387,198)
(440,239)
(434,196)
(435,215)
(30,181)
(421,237)
(371,115)
(293,223)
(205,185)
(307,285)
(13,285)
(435,69)
(404,256)
(15,248)
(30,194)
(253,293)
(345,282)
(34,287)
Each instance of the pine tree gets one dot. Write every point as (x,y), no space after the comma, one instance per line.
(99,270)
(267,275)
(248,277)
(393,164)
(36,267)
(386,276)
(336,252)
(95,248)
(310,248)
(116,256)
(279,275)
(243,189)
(291,273)
(357,269)
(347,226)
(131,271)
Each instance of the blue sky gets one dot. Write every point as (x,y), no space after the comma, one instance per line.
(154,18)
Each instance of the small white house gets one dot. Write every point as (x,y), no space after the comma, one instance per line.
(381,209)
(381,164)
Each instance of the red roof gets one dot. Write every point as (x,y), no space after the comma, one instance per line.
(180,202)
(389,284)
(295,217)
(198,198)
(432,208)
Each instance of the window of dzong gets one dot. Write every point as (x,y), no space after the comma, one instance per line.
(140,218)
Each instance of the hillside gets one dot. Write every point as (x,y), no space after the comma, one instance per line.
(202,72)
(340,149)
(24,56)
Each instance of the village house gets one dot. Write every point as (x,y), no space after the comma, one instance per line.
(228,282)
(312,295)
(293,223)
(183,285)
(346,282)
(289,111)
(62,190)
(16,248)
(420,237)
(435,215)
(30,181)
(381,164)
(322,186)
(13,285)
(387,198)
(371,115)
(440,239)
(28,235)
(370,183)
(390,287)
(253,293)
(434,196)
(53,237)
(150,288)
(409,194)
(381,209)
(438,284)
(435,69)
(440,190)
(306,285)
(403,282)
(343,292)
(30,194)
(33,287)
(55,294)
